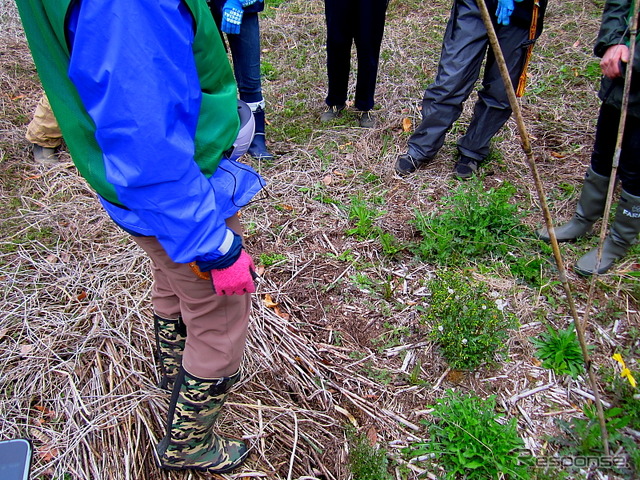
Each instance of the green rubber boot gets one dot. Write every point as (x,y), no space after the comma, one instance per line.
(622,235)
(589,210)
(170,338)
(190,443)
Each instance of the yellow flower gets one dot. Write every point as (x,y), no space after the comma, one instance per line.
(625,373)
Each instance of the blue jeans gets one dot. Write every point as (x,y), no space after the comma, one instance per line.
(245,52)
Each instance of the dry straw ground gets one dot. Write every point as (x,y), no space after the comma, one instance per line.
(76,347)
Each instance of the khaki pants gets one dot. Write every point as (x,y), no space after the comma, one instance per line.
(216,324)
(43,129)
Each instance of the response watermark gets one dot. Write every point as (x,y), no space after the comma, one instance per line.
(591,462)
(587,462)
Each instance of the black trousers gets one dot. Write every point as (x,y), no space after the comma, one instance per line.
(464,48)
(362,22)
(605,145)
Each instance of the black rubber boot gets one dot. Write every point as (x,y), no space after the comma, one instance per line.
(589,210)
(258,147)
(622,235)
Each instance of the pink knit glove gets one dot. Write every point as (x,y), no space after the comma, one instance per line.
(236,279)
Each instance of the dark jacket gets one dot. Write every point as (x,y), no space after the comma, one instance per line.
(614,30)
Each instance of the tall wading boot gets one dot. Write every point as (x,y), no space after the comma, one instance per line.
(190,443)
(170,337)
(589,210)
(258,147)
(622,235)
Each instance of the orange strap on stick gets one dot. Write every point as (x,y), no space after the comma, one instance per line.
(533,30)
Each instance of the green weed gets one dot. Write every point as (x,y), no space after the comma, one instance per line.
(318,192)
(470,440)
(365,460)
(393,335)
(624,395)
(363,214)
(465,321)
(582,436)
(471,224)
(346,256)
(269,259)
(268,71)
(560,351)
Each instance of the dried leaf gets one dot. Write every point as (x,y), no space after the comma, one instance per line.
(26,350)
(91,309)
(327,180)
(268,301)
(455,376)
(280,313)
(46,411)
(406,124)
(351,418)
(48,454)
(372,435)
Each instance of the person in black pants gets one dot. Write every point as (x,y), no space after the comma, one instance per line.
(349,21)
(612,46)
(465,48)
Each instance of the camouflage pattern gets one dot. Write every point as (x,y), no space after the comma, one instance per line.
(170,338)
(190,442)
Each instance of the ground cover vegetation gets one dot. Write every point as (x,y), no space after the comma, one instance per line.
(402,328)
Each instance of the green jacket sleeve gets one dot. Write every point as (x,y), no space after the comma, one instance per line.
(614,29)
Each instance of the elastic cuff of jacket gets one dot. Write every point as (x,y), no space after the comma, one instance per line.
(226,260)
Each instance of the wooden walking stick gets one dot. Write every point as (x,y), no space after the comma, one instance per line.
(526,146)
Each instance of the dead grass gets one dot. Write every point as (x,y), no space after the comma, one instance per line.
(76,361)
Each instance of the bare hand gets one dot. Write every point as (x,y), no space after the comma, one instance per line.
(612,61)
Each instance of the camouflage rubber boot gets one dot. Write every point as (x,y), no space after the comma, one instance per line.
(589,209)
(170,337)
(190,443)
